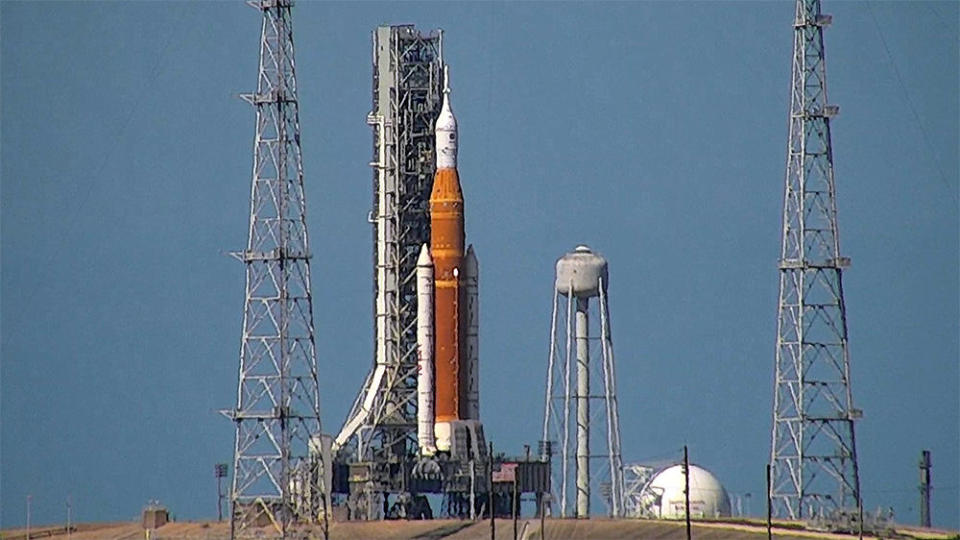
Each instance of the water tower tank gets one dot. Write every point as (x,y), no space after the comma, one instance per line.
(583,269)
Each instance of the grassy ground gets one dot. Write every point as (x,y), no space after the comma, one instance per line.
(446,529)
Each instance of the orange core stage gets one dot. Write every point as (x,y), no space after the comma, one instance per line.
(446,246)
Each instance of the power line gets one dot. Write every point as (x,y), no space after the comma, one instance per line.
(906,95)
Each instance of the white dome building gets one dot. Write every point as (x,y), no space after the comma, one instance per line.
(662,497)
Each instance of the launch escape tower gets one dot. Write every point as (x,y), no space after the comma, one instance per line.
(813,451)
(581,276)
(276,482)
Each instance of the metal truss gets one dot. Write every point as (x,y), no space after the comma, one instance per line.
(573,481)
(813,451)
(277,483)
(407,96)
(635,501)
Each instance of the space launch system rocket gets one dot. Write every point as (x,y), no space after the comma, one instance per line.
(447,315)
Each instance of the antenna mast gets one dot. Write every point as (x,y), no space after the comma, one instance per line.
(276,482)
(813,451)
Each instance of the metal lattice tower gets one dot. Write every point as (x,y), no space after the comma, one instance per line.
(407,96)
(635,478)
(276,482)
(813,451)
(581,427)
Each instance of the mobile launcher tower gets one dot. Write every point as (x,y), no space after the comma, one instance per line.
(415,425)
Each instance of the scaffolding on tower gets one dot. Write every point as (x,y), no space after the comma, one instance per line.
(381,427)
(407,95)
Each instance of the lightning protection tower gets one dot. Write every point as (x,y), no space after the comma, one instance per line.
(813,452)
(276,483)
(407,96)
(570,406)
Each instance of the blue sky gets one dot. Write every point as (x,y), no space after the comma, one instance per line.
(655,132)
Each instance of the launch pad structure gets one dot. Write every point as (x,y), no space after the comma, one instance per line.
(379,465)
(407,96)
(414,428)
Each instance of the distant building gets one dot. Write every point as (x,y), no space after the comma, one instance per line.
(662,494)
(155,516)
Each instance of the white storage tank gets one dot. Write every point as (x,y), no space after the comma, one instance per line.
(581,270)
(664,497)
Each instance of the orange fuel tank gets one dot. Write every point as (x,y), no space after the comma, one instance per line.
(446,246)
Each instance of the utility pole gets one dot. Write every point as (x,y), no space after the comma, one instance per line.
(69,516)
(544,500)
(769,507)
(813,452)
(925,488)
(493,524)
(686,489)
(29,500)
(277,412)
(514,504)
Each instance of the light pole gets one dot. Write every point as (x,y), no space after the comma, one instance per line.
(686,488)
(493,523)
(219,471)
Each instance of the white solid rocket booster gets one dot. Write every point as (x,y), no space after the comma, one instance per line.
(425,409)
(471,275)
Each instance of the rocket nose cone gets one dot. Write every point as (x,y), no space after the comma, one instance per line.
(446,121)
(425,259)
(445,130)
(470,261)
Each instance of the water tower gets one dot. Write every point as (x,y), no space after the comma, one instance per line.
(579,331)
